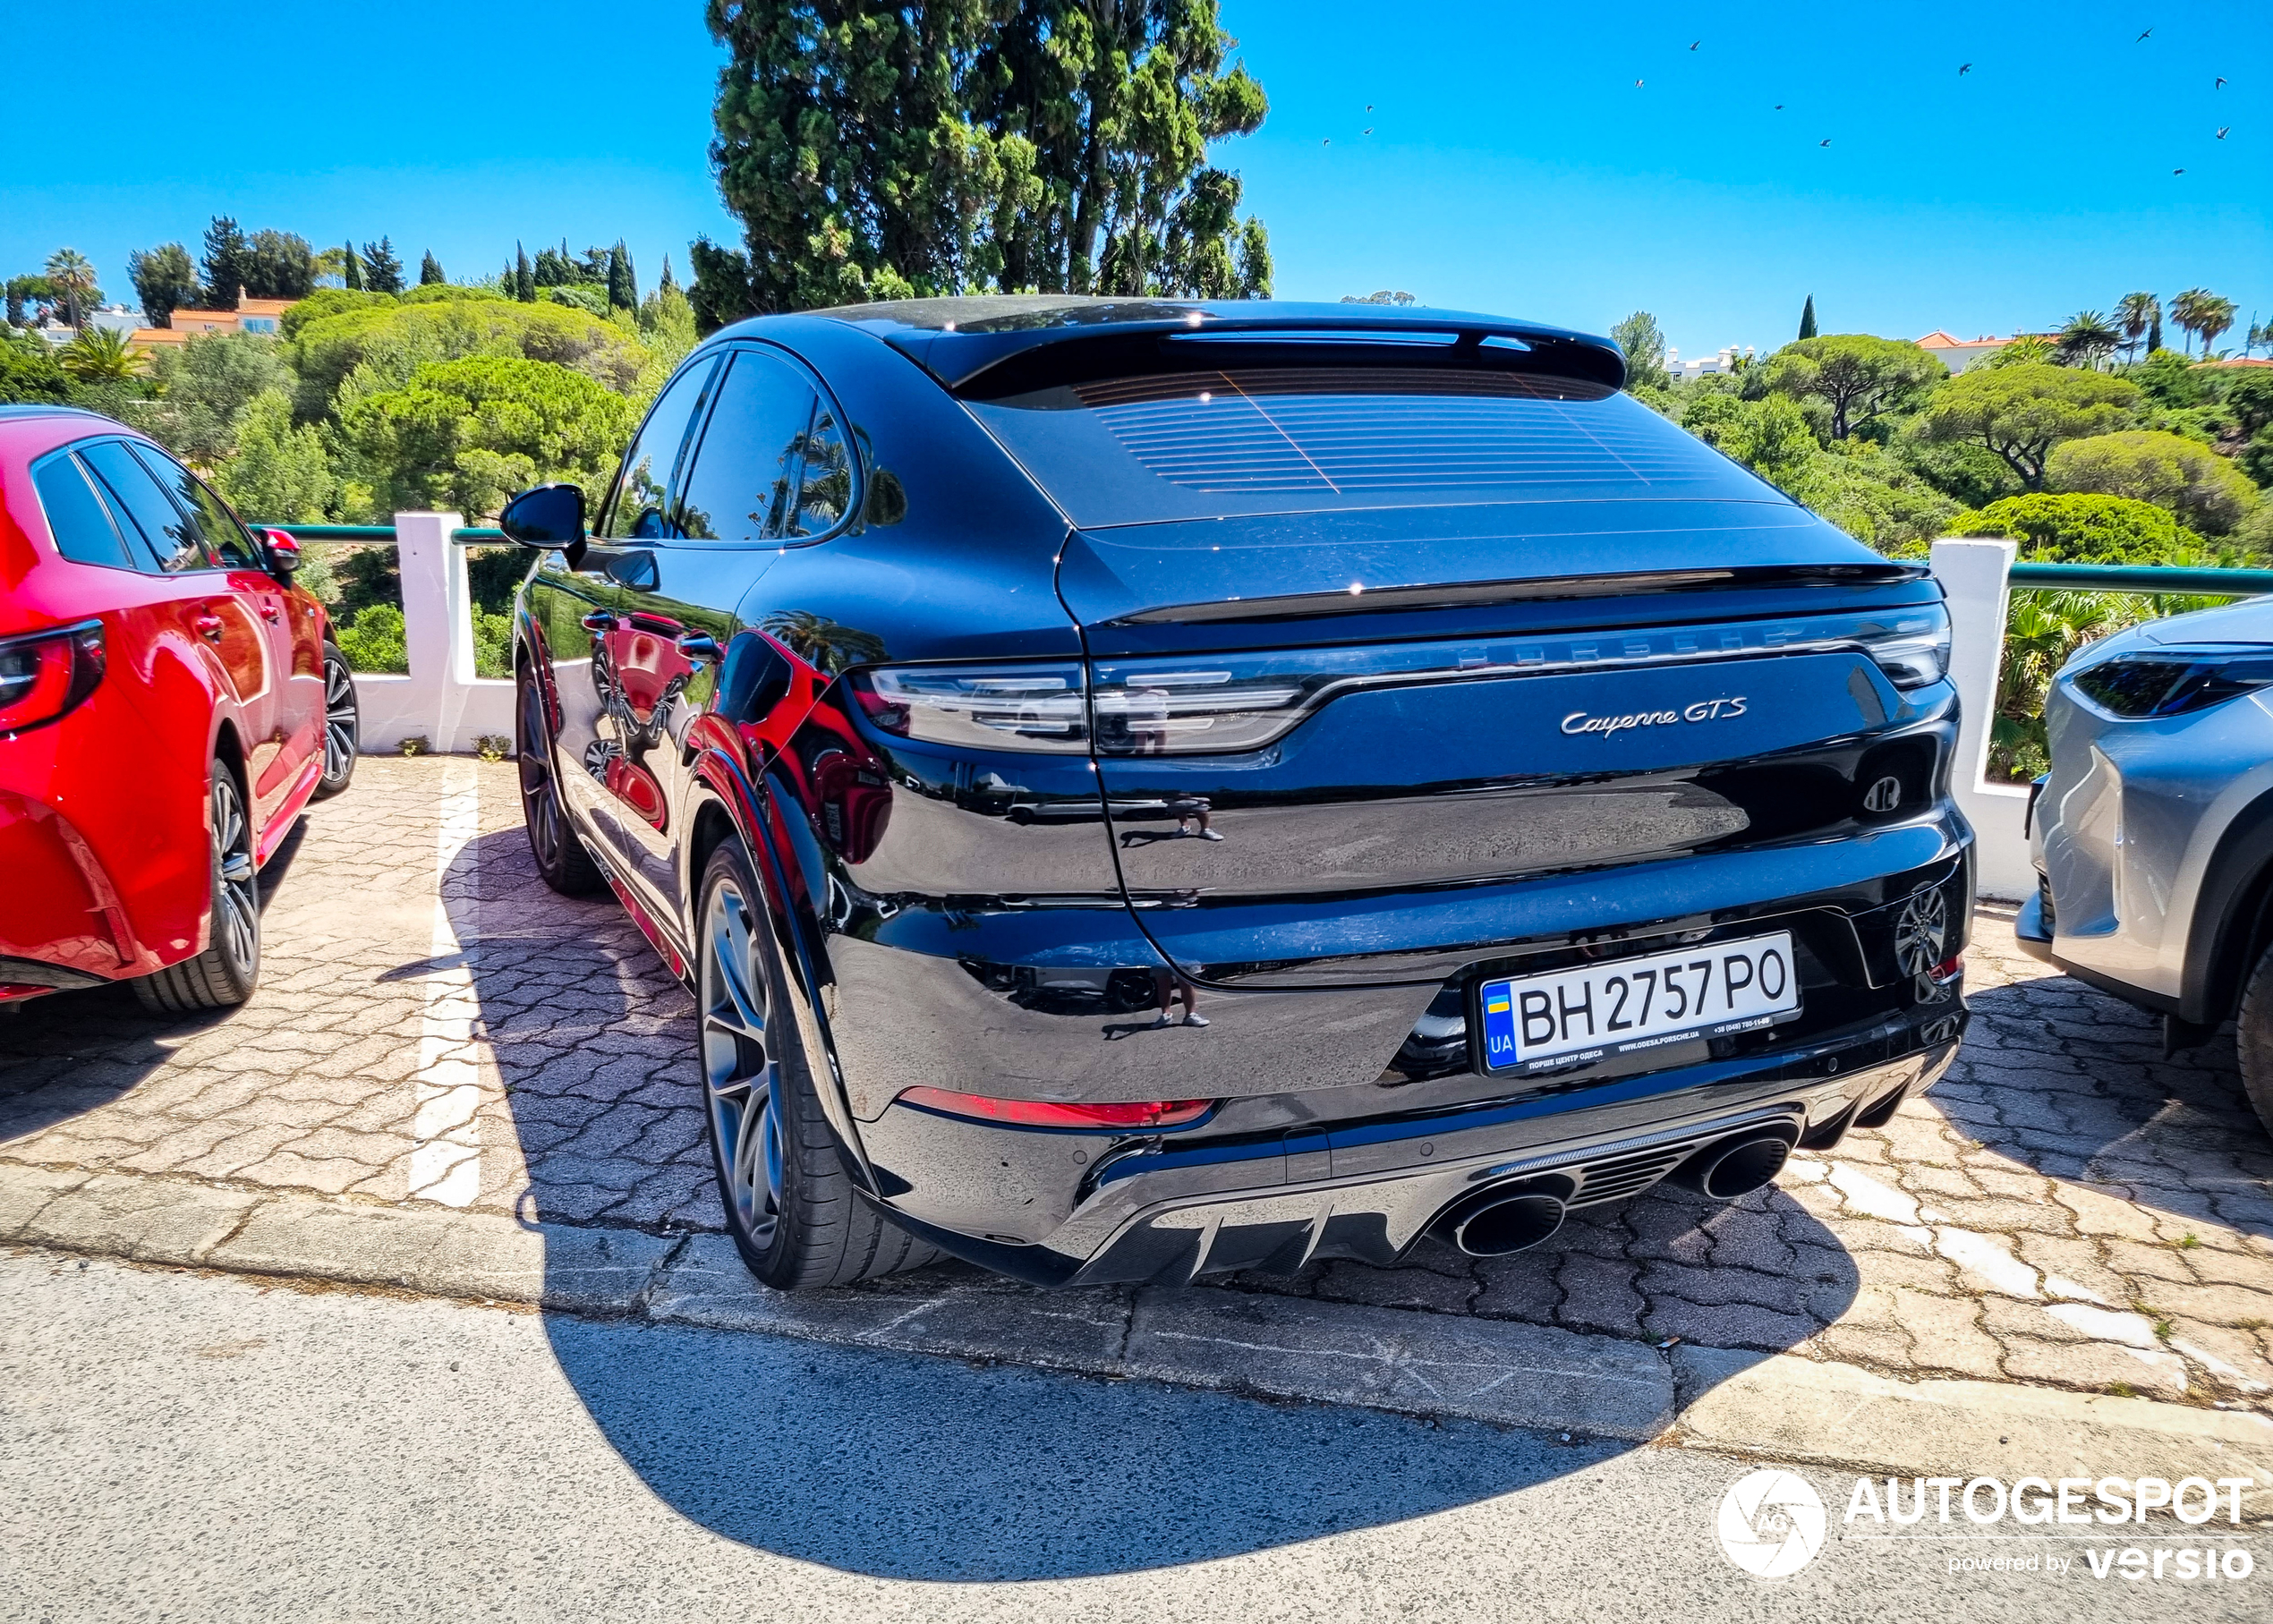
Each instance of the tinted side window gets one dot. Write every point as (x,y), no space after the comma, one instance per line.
(824,479)
(224,537)
(635,507)
(169,541)
(82,526)
(741,487)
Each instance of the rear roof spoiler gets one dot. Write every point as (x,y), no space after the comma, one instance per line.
(994,350)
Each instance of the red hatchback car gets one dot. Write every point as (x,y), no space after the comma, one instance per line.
(169,700)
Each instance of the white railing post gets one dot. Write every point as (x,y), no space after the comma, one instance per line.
(1974,573)
(434,623)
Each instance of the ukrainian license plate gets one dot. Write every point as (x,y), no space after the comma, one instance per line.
(1590,1012)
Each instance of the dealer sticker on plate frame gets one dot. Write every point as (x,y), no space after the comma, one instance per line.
(1592,1011)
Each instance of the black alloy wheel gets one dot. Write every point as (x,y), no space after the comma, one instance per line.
(223,973)
(790,1203)
(559,851)
(343,723)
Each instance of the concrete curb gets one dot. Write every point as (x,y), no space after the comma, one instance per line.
(1781,1407)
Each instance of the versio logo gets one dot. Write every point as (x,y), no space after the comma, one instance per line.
(1771,1524)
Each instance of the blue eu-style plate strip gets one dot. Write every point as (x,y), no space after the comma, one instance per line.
(1499,1024)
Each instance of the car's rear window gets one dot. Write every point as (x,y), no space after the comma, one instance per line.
(1305,439)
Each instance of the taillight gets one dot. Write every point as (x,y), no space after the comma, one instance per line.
(1039,707)
(1050,1113)
(42,675)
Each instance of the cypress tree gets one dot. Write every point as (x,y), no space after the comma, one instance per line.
(2155,332)
(524,278)
(1806,319)
(353,270)
(430,271)
(668,280)
(623,285)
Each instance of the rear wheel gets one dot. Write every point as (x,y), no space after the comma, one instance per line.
(561,857)
(791,1205)
(2253,1039)
(343,723)
(223,975)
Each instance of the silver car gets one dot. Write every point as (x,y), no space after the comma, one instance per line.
(2153,832)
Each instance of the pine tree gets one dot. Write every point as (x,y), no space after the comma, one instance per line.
(668,280)
(382,271)
(225,256)
(353,271)
(622,286)
(1806,319)
(430,271)
(525,277)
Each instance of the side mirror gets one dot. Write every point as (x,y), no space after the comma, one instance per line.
(549,516)
(282,552)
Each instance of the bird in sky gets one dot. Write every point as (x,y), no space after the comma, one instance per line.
(1370,106)
(2178,172)
(1638,84)
(1964,70)
(1695,43)
(2221,134)
(1826,141)
(2143,38)
(1779,106)
(2220,85)
(1327,143)
(1369,128)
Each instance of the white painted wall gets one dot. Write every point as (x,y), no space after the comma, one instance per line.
(440,697)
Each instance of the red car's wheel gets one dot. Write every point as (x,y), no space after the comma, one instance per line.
(224,972)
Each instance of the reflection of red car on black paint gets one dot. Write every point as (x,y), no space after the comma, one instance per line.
(169,700)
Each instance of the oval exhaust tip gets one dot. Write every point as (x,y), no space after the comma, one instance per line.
(1735,1167)
(1514,1223)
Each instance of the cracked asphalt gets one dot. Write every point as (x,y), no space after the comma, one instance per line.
(435,1028)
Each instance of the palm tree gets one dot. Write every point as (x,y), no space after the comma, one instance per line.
(72,276)
(100,355)
(2189,309)
(2259,334)
(2217,314)
(2139,313)
(2087,339)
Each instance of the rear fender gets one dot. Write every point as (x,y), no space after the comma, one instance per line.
(722,783)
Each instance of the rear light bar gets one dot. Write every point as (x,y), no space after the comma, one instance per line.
(42,676)
(1222,703)
(1050,1113)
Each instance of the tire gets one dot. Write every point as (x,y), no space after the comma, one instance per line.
(2254,1039)
(343,723)
(224,974)
(559,851)
(791,1205)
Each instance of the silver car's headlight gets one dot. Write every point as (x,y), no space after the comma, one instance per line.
(2146,682)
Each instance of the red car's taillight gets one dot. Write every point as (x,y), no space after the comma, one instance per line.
(42,675)
(1050,1113)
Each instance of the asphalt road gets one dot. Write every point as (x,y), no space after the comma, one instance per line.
(180,1446)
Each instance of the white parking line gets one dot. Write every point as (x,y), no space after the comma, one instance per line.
(445,1157)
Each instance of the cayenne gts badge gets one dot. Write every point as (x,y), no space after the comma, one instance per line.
(1702,710)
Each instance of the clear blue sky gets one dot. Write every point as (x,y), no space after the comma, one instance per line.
(1514,165)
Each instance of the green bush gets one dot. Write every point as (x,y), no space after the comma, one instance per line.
(327,301)
(464,434)
(2082,529)
(385,345)
(444,293)
(374,641)
(2203,489)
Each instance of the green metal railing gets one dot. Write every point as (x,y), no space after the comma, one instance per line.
(2141,578)
(470,536)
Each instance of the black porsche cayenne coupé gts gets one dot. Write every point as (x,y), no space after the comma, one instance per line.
(1142,789)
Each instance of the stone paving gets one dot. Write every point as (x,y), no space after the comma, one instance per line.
(436,1030)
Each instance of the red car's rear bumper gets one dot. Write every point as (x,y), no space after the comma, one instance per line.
(62,910)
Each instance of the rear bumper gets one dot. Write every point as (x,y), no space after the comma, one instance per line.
(64,925)
(1170,1209)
